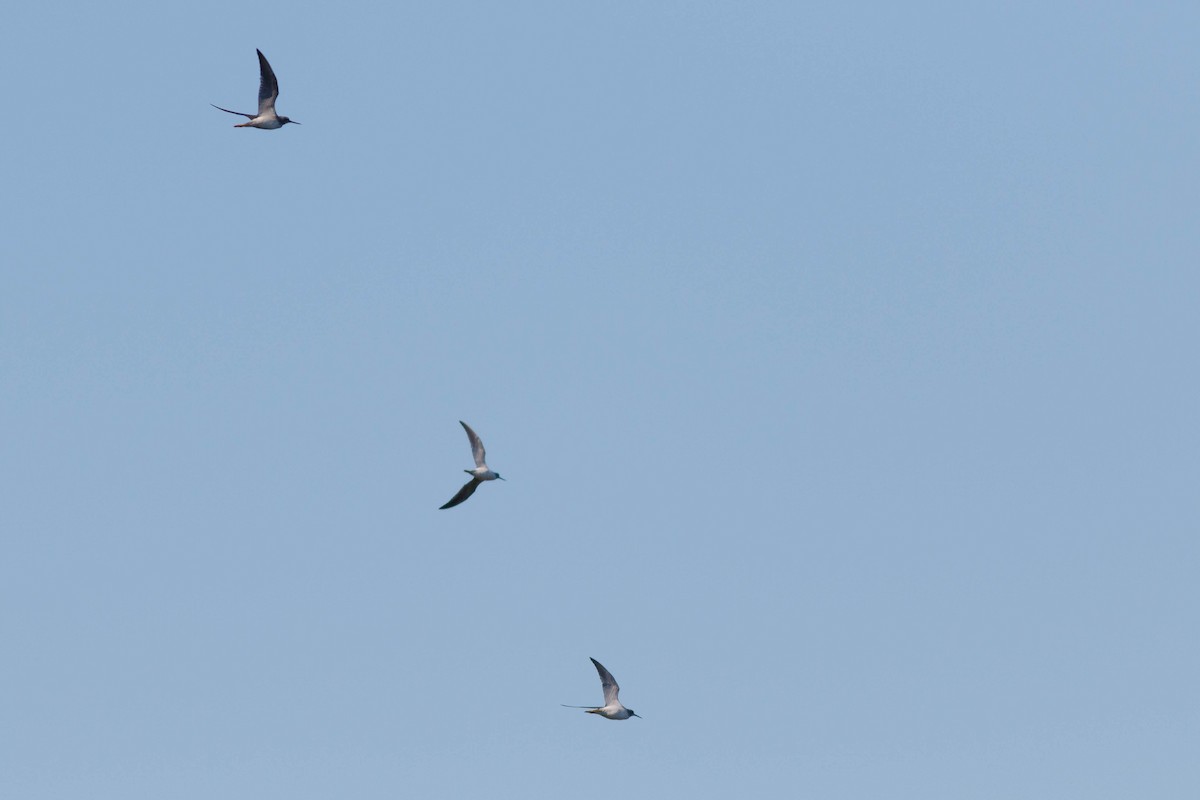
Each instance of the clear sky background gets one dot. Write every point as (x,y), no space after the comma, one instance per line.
(841,360)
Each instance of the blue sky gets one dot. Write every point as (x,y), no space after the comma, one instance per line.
(840,360)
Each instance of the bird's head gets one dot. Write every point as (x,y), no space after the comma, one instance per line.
(284,121)
(498,477)
(632,713)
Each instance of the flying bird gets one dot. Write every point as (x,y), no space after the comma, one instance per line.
(478,475)
(268,93)
(612,708)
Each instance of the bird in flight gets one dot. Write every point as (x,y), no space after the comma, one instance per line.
(478,475)
(268,92)
(612,708)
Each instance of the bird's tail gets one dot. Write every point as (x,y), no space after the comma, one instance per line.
(227,111)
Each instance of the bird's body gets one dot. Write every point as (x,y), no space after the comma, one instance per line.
(262,123)
(620,712)
(268,93)
(612,708)
(478,475)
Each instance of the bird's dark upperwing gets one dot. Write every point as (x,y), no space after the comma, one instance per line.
(607,683)
(477,451)
(466,491)
(268,87)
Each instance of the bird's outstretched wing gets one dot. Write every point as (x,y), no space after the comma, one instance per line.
(476,445)
(227,111)
(608,683)
(268,87)
(466,491)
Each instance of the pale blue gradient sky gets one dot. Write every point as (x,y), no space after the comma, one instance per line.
(875,328)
